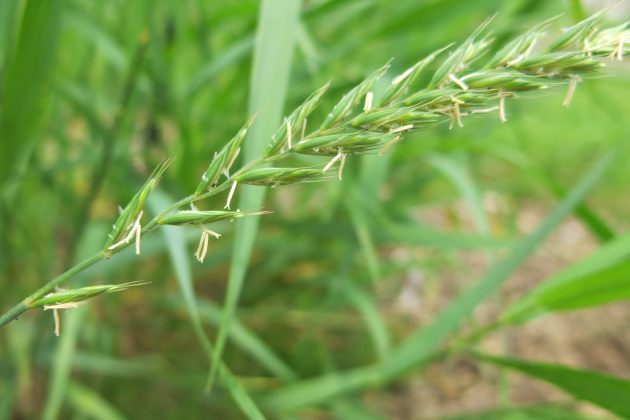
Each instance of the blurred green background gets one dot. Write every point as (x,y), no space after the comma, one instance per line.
(95,94)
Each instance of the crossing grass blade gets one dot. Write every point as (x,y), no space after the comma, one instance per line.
(174,238)
(249,342)
(273,55)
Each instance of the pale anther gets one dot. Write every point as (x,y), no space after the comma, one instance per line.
(369,97)
(341,165)
(570,92)
(458,81)
(230,195)
(332,161)
(401,129)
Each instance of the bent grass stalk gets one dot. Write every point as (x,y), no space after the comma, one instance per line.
(457,89)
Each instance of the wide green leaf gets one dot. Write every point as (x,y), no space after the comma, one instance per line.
(600,278)
(606,391)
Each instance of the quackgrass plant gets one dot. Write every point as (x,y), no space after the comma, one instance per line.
(360,124)
(463,81)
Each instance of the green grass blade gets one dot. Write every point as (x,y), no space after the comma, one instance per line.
(371,316)
(605,286)
(62,362)
(9,22)
(458,174)
(174,238)
(542,412)
(364,236)
(594,222)
(101,41)
(420,347)
(273,54)
(249,342)
(607,391)
(232,55)
(7,400)
(90,404)
(595,280)
(25,96)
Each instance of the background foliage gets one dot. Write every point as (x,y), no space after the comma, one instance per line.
(338,314)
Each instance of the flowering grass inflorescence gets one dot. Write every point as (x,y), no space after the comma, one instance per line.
(461,85)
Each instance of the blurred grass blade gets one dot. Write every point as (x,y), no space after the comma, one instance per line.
(25,97)
(605,286)
(9,24)
(7,400)
(232,55)
(273,55)
(249,342)
(88,403)
(542,412)
(606,391)
(371,316)
(600,278)
(106,365)
(174,238)
(595,223)
(421,346)
(102,42)
(62,362)
(458,174)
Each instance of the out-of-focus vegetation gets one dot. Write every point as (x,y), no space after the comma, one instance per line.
(353,298)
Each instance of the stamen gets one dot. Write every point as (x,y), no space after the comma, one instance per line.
(57,323)
(289,134)
(341,165)
(570,92)
(401,129)
(55,308)
(502,96)
(202,249)
(458,82)
(211,232)
(138,236)
(332,161)
(134,230)
(230,195)
(369,97)
(402,76)
(389,144)
(456,115)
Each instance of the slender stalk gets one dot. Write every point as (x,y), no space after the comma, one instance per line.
(15,312)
